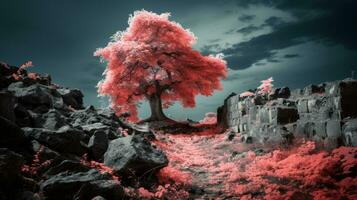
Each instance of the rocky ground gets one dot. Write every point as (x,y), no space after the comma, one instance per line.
(52,147)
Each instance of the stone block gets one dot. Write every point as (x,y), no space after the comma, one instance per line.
(333,128)
(302,106)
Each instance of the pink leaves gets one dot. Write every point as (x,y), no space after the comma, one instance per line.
(246,94)
(154,49)
(266,86)
(210,118)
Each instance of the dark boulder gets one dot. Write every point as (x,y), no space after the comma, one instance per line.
(64,140)
(349,131)
(12,137)
(72,97)
(7,104)
(283,92)
(11,180)
(109,189)
(65,185)
(44,152)
(52,120)
(68,166)
(23,118)
(134,154)
(312,89)
(36,97)
(98,145)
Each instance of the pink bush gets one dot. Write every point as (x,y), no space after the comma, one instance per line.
(266,86)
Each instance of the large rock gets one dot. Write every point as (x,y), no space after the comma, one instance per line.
(108,189)
(134,154)
(7,104)
(68,166)
(283,92)
(350,133)
(23,116)
(65,185)
(72,97)
(11,180)
(52,120)
(65,140)
(12,137)
(37,97)
(98,145)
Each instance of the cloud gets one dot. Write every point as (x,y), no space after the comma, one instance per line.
(249,29)
(291,55)
(246,18)
(331,27)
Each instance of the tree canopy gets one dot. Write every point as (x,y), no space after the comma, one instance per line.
(153,59)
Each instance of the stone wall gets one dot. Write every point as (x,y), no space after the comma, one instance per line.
(325,113)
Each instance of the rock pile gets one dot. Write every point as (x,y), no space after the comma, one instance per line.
(46,133)
(325,113)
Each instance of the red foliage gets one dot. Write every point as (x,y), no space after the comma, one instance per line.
(99,166)
(154,56)
(266,86)
(302,172)
(210,118)
(246,94)
(36,164)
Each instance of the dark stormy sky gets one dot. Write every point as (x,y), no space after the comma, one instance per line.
(296,42)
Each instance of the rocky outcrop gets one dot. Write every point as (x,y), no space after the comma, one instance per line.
(325,113)
(65,185)
(134,154)
(52,147)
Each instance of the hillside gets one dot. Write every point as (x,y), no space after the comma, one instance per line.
(297,144)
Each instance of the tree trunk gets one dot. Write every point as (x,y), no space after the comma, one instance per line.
(156,108)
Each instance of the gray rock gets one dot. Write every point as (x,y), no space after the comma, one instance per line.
(7,104)
(23,116)
(302,106)
(67,166)
(91,128)
(107,189)
(46,153)
(333,128)
(350,133)
(134,154)
(98,145)
(98,198)
(36,95)
(13,138)
(72,97)
(52,120)
(64,140)
(65,185)
(11,180)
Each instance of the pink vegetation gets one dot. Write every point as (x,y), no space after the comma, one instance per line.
(154,57)
(99,166)
(302,172)
(36,165)
(266,86)
(210,118)
(26,65)
(246,94)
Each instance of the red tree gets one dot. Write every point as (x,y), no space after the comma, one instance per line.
(153,60)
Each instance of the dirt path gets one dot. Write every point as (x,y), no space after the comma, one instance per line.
(207,159)
(216,168)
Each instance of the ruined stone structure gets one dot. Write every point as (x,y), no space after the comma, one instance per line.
(325,113)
